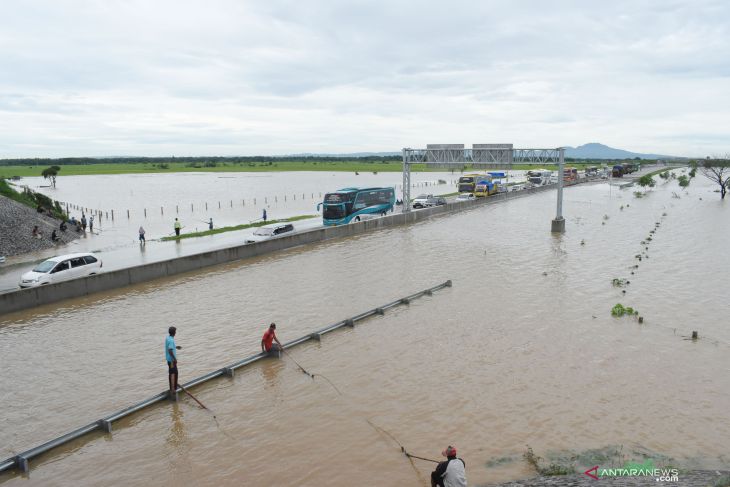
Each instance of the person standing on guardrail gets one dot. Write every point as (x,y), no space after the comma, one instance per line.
(267,342)
(171,357)
(142,241)
(264,216)
(177,227)
(91,223)
(451,473)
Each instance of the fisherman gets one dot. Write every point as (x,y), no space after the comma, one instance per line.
(142,241)
(171,357)
(63,226)
(267,344)
(451,473)
(36,232)
(210,224)
(54,236)
(91,223)
(264,216)
(178,226)
(83,222)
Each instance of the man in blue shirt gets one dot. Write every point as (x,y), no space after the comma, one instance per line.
(171,357)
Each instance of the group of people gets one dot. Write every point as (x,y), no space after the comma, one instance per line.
(449,473)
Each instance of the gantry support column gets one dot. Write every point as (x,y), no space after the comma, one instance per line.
(558,225)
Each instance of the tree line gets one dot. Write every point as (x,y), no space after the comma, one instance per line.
(200,160)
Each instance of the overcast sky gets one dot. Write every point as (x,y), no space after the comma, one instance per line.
(217,77)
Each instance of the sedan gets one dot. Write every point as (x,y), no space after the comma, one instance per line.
(466,197)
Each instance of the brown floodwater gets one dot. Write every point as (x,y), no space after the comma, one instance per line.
(522,350)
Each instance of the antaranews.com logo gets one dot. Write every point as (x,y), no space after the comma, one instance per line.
(631,469)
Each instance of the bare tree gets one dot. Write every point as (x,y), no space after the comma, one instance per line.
(718,171)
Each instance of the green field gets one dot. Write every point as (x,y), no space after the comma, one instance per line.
(137,168)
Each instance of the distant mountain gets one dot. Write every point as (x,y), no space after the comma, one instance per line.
(595,150)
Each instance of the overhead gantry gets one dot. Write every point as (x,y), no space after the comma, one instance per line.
(497,156)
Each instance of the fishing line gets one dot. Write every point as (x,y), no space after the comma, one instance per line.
(209,410)
(377,428)
(313,375)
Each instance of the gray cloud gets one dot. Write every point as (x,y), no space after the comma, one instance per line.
(230,77)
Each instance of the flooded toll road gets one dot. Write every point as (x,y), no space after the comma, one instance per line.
(522,350)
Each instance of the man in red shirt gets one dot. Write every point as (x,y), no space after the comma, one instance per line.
(267,344)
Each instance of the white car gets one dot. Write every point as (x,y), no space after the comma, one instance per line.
(62,268)
(421,201)
(466,197)
(270,231)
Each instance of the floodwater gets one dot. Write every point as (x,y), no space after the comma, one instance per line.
(522,350)
(228,198)
(185,195)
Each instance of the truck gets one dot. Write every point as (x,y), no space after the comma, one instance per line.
(467,182)
(538,177)
(485,187)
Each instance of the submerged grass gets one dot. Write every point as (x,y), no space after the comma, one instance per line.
(237,227)
(551,469)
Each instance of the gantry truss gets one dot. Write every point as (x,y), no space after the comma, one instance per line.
(498,156)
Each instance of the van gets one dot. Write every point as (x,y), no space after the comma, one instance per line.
(61,268)
(268,232)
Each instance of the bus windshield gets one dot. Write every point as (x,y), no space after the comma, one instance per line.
(333,212)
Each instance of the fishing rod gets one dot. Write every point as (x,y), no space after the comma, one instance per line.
(215,418)
(196,400)
(402,449)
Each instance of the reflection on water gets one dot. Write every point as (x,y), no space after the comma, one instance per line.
(176,437)
(522,350)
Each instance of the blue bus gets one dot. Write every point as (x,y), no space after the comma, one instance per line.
(355,204)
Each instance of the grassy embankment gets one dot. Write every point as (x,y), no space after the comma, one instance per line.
(174,167)
(31,199)
(237,227)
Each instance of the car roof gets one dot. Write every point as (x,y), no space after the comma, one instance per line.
(59,258)
(275,225)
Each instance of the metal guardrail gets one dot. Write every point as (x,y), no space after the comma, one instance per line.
(21,461)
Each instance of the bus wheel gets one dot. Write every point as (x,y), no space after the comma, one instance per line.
(384,213)
(357,219)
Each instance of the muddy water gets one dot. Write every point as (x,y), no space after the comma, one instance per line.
(195,197)
(522,350)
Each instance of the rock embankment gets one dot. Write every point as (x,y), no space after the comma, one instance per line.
(16,229)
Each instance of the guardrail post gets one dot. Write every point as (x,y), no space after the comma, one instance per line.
(350,323)
(105,425)
(380,311)
(316,336)
(448,283)
(428,292)
(228,372)
(405,301)
(22,464)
